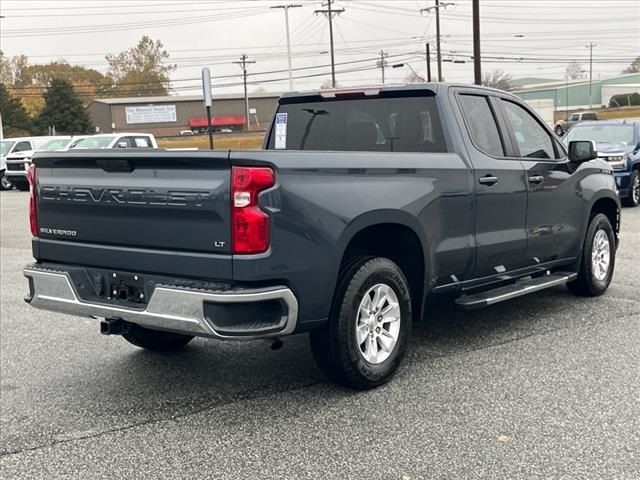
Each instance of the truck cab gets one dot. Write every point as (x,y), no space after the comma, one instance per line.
(18,158)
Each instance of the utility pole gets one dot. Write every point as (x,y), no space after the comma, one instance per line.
(243,64)
(428,62)
(437,8)
(382,62)
(477,68)
(590,47)
(330,13)
(286,21)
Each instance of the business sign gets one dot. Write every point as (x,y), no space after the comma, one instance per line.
(206,87)
(151,114)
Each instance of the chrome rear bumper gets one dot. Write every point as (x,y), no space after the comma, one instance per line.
(172,309)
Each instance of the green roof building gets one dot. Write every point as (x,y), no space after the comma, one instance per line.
(574,94)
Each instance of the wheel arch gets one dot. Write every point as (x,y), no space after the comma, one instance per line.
(395,235)
(609,206)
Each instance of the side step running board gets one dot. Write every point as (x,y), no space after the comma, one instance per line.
(517,289)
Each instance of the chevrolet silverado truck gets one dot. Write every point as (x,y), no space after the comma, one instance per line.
(617,142)
(361,205)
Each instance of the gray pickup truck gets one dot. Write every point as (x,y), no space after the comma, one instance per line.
(361,205)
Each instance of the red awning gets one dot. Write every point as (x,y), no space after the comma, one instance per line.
(219,121)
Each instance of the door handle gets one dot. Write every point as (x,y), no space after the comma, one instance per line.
(488,180)
(536,179)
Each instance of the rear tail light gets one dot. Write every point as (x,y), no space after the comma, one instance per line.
(249,224)
(33,212)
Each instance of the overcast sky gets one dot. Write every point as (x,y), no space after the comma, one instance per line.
(522,37)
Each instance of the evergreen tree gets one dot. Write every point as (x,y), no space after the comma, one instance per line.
(15,120)
(63,110)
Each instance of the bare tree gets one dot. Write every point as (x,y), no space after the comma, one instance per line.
(497,79)
(574,70)
(413,77)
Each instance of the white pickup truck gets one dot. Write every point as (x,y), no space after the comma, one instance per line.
(19,157)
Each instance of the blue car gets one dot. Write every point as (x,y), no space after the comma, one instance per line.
(618,142)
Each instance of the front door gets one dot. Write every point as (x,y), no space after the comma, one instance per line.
(553,219)
(501,190)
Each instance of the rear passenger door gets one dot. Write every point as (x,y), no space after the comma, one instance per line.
(501,190)
(554,219)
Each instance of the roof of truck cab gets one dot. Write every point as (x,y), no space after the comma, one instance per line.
(433,87)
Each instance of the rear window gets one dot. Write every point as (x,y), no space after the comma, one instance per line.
(407,124)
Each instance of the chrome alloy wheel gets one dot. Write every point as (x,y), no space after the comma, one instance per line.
(378,325)
(600,255)
(635,190)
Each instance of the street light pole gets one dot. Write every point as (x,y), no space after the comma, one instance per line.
(400,65)
(286,21)
(590,47)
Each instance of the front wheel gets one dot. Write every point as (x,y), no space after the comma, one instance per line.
(598,259)
(633,200)
(559,131)
(5,184)
(155,339)
(369,325)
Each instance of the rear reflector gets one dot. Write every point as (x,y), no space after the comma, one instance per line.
(249,224)
(33,213)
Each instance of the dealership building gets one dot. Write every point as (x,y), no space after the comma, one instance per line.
(167,116)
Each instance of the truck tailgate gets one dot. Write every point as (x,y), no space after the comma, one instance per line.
(156,201)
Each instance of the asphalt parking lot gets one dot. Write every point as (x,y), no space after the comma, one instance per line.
(547,386)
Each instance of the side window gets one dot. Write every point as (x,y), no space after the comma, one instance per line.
(589,116)
(573,118)
(141,142)
(124,142)
(22,147)
(533,140)
(482,124)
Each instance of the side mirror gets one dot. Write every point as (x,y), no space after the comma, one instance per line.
(582,151)
(122,145)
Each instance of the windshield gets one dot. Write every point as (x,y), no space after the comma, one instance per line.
(94,142)
(602,133)
(57,144)
(5,146)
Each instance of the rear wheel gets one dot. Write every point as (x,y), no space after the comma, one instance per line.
(633,200)
(369,325)
(155,339)
(598,259)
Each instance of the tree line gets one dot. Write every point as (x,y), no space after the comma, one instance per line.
(35,98)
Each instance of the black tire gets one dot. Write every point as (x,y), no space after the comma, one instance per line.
(5,183)
(155,339)
(336,349)
(559,131)
(587,284)
(22,186)
(633,199)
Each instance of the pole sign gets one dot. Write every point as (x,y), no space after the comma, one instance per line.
(206,86)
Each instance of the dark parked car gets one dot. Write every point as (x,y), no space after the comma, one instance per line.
(563,125)
(363,204)
(617,142)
